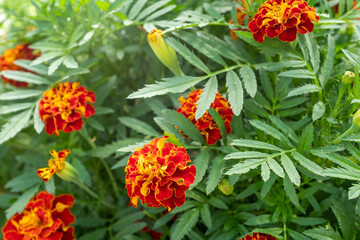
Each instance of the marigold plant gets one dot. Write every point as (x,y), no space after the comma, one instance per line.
(157,174)
(63,106)
(7,59)
(258,236)
(206,124)
(283,19)
(44,217)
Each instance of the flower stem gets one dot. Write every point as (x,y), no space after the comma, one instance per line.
(93,194)
(352,129)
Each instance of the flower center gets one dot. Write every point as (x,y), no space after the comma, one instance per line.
(30,221)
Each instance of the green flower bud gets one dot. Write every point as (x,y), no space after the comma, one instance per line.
(69,173)
(163,51)
(356,119)
(348,77)
(225,187)
(350,29)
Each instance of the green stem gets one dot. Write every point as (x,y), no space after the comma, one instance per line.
(342,90)
(84,134)
(352,129)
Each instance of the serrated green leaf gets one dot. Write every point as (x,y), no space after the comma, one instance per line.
(109,149)
(139,126)
(83,173)
(269,130)
(152,8)
(354,191)
(245,166)
(298,73)
(167,126)
(275,167)
(136,9)
(212,11)
(55,65)
(313,51)
(328,63)
(216,202)
(160,12)
(291,103)
(249,80)
(296,235)
(184,124)
(267,185)
(206,215)
(186,222)
(46,57)
(266,84)
(24,77)
(290,169)
(215,173)
(70,62)
(5,109)
(162,221)
(318,111)
(308,164)
(23,182)
(187,54)
(259,220)
(219,122)
(173,85)
(129,230)
(15,125)
(235,91)
(265,171)
(250,190)
(127,221)
(323,234)
(307,88)
(340,160)
(290,191)
(201,163)
(255,144)
(207,97)
(308,221)
(353,58)
(27,64)
(284,128)
(19,205)
(276,66)
(341,173)
(94,235)
(306,138)
(344,212)
(246,154)
(46,45)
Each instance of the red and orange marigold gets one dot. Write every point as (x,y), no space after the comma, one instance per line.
(283,19)
(206,124)
(21,51)
(258,236)
(45,217)
(157,174)
(62,106)
(56,164)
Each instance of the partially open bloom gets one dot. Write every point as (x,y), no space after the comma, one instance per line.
(62,106)
(45,217)
(157,174)
(206,124)
(163,51)
(59,166)
(258,236)
(21,51)
(283,19)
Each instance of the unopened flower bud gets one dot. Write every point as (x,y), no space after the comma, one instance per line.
(348,77)
(163,51)
(356,119)
(225,187)
(69,173)
(350,29)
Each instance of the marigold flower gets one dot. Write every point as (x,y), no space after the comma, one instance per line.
(258,236)
(157,174)
(59,166)
(44,217)
(61,107)
(283,19)
(21,51)
(206,124)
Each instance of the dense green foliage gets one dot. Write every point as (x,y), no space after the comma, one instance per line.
(290,178)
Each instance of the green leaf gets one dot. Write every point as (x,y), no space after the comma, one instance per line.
(139,126)
(341,173)
(265,171)
(353,58)
(328,63)
(245,166)
(109,149)
(323,234)
(24,77)
(127,221)
(216,202)
(278,170)
(129,230)
(19,205)
(184,124)
(290,169)
(162,221)
(249,80)
(269,130)
(212,11)
(70,62)
(186,222)
(160,12)
(55,65)
(167,126)
(291,103)
(267,185)
(27,64)
(83,173)
(296,235)
(276,66)
(207,97)
(173,85)
(187,54)
(298,73)
(250,190)
(290,191)
(308,221)
(136,9)
(14,125)
(284,128)
(306,138)
(215,173)
(206,215)
(246,154)
(152,8)
(46,57)
(266,84)
(94,235)
(338,159)
(259,220)
(219,122)
(308,164)
(10,108)
(313,51)
(46,45)
(354,191)
(344,212)
(318,111)
(103,5)
(23,182)
(235,91)
(307,88)
(255,144)
(201,163)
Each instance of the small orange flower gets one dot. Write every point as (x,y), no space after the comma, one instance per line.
(283,19)
(45,217)
(206,124)
(258,236)
(157,174)
(61,107)
(21,51)
(56,164)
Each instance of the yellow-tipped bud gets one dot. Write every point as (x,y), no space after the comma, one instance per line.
(69,173)
(356,119)
(225,187)
(163,51)
(348,77)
